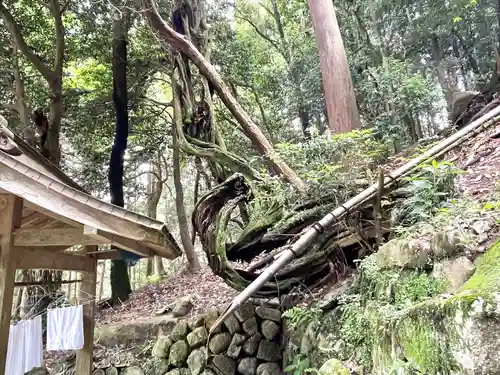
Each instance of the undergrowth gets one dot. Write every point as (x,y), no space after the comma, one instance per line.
(300,317)
(335,165)
(433,185)
(453,213)
(394,322)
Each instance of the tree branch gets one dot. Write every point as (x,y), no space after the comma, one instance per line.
(257,30)
(11,107)
(178,41)
(56,10)
(15,32)
(169,104)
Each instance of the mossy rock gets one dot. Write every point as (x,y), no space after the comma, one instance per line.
(179,353)
(183,306)
(486,278)
(403,254)
(333,367)
(160,366)
(197,338)
(197,361)
(447,243)
(180,331)
(162,347)
(454,271)
(416,331)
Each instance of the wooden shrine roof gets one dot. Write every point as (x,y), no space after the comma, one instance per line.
(59,214)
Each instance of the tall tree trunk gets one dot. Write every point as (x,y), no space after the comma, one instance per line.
(56,86)
(16,305)
(177,41)
(154,195)
(470,57)
(458,57)
(262,111)
(441,72)
(337,83)
(284,49)
(120,281)
(191,255)
(195,200)
(150,266)
(101,280)
(159,268)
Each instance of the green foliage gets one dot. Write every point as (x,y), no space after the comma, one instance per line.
(332,165)
(428,190)
(416,287)
(154,279)
(302,317)
(300,365)
(394,97)
(366,321)
(396,286)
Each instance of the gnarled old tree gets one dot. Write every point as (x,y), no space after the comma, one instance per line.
(184,44)
(49,127)
(270,225)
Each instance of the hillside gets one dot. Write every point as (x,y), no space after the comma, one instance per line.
(474,205)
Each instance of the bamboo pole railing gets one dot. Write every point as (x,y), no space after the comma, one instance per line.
(303,242)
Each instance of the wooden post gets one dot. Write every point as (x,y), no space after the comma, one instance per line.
(84,357)
(10,217)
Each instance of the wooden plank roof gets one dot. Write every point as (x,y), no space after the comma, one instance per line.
(55,205)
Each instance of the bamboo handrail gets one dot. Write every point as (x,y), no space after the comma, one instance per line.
(334,216)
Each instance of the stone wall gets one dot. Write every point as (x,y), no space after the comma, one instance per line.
(248,343)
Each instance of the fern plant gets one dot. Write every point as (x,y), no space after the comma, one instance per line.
(302,317)
(300,365)
(427,191)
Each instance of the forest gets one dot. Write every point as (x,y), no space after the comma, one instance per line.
(241,123)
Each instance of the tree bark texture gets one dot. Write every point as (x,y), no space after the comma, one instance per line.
(337,83)
(21,100)
(120,282)
(154,195)
(251,130)
(441,72)
(191,255)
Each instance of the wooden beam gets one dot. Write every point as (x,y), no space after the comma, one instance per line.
(103,254)
(84,357)
(50,214)
(33,258)
(34,217)
(55,237)
(11,208)
(119,241)
(54,249)
(33,283)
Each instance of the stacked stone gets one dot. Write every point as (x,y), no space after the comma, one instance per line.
(247,343)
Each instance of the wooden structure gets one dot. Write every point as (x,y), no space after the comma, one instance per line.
(43,213)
